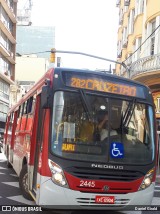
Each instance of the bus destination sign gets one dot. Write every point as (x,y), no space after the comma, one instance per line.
(99,84)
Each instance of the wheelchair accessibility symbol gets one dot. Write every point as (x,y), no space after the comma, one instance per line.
(117,150)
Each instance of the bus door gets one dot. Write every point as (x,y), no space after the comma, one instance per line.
(13,135)
(36,143)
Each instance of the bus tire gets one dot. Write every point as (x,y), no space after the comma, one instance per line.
(23,183)
(9,165)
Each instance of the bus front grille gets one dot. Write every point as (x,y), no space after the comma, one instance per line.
(104,174)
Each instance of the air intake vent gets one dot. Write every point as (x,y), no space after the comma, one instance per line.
(105,174)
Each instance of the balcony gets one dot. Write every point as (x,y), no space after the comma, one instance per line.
(145,65)
(7,32)
(9,10)
(7,54)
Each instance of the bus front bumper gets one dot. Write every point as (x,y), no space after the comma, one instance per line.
(53,196)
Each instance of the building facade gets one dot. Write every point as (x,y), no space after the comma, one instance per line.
(29,69)
(8,11)
(35,40)
(138,44)
(33,48)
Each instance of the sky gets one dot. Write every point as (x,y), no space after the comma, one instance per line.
(88,26)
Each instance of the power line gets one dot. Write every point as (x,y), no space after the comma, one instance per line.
(142,44)
(34,53)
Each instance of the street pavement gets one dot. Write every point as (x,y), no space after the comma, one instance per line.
(10,193)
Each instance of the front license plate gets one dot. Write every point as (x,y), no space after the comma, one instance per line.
(104,199)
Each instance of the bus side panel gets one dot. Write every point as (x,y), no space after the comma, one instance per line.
(22,142)
(13,130)
(34,133)
(24,137)
(44,170)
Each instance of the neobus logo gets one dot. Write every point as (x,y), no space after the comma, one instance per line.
(105,166)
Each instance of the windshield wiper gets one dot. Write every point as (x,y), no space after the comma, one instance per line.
(128,114)
(86,104)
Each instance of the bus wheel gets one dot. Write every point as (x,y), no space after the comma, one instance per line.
(23,183)
(9,164)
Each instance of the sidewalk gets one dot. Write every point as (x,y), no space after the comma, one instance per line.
(2,157)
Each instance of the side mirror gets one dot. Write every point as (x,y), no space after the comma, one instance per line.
(46,96)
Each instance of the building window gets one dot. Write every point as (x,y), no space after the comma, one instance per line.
(142,6)
(139,7)
(119,49)
(4,89)
(124,37)
(137,49)
(152,41)
(121,16)
(131,22)
(3,109)
(4,41)
(5,66)
(139,42)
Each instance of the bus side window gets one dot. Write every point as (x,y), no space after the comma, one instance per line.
(29,105)
(24,116)
(11,122)
(18,118)
(30,112)
(10,126)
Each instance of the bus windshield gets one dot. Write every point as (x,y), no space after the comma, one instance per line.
(89,127)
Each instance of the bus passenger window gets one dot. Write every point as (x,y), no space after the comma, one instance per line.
(30,112)
(11,123)
(29,105)
(19,118)
(23,117)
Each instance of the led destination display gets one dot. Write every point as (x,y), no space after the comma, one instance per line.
(92,82)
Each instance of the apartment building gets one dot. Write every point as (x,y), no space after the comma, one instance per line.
(8,10)
(138,44)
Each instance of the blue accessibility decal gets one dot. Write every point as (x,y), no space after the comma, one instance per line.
(117,150)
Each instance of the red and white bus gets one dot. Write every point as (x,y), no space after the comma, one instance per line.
(63,157)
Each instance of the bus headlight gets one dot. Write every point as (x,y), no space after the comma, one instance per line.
(57,174)
(147,181)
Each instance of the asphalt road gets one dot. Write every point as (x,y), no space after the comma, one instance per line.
(10,193)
